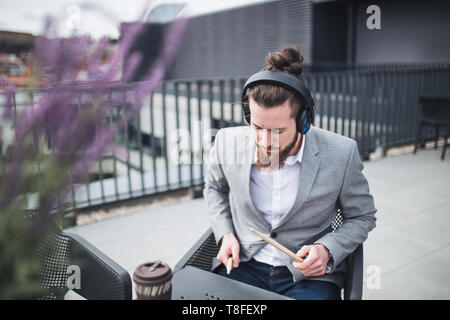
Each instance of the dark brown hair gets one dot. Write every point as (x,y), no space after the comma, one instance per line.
(289,60)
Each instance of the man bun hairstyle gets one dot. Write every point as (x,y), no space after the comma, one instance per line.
(288,60)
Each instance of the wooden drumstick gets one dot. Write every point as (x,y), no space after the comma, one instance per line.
(229,264)
(278,246)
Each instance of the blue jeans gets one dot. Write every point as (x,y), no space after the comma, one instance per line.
(279,280)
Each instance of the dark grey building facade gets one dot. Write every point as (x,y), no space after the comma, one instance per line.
(411,31)
(234,42)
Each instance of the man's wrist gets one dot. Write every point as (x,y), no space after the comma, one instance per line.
(330,262)
(327,250)
(227,235)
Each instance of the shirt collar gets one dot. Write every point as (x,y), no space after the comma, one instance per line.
(291,159)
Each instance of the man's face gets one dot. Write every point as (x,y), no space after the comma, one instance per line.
(275,133)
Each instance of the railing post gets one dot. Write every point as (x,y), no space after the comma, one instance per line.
(200,135)
(191,168)
(177,120)
(152,138)
(165,151)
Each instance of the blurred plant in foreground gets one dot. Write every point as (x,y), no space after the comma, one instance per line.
(77,133)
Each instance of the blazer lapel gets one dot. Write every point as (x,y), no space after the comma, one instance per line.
(308,171)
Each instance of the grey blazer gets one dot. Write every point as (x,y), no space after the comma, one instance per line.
(330,177)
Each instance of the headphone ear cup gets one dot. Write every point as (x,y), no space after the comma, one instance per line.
(304,121)
(307,122)
(301,118)
(305,126)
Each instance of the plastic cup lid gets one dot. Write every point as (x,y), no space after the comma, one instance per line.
(151,273)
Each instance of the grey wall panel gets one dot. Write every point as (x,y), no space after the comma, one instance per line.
(411,31)
(330,32)
(235,42)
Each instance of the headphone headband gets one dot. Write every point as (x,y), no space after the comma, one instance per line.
(280,78)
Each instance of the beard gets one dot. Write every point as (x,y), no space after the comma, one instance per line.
(274,160)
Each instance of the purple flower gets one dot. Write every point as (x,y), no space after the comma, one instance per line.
(63,132)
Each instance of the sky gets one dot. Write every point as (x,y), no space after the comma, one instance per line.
(94,17)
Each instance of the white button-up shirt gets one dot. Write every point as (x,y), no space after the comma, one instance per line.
(273,194)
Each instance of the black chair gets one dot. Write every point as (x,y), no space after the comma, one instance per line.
(435,112)
(101,278)
(203,252)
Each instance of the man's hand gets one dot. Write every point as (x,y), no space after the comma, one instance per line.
(230,246)
(316,261)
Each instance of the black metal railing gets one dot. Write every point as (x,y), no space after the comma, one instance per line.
(377,105)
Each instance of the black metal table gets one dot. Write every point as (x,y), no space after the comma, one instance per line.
(192,283)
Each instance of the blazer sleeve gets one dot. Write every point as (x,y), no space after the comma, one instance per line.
(358,211)
(216,192)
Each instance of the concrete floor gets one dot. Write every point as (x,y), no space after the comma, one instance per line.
(411,243)
(407,256)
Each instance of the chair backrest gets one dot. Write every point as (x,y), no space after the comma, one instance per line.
(53,258)
(354,276)
(206,251)
(60,255)
(435,107)
(99,277)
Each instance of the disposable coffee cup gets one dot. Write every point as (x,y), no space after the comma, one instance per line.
(153,281)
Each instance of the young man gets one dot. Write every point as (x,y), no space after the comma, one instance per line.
(286,182)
